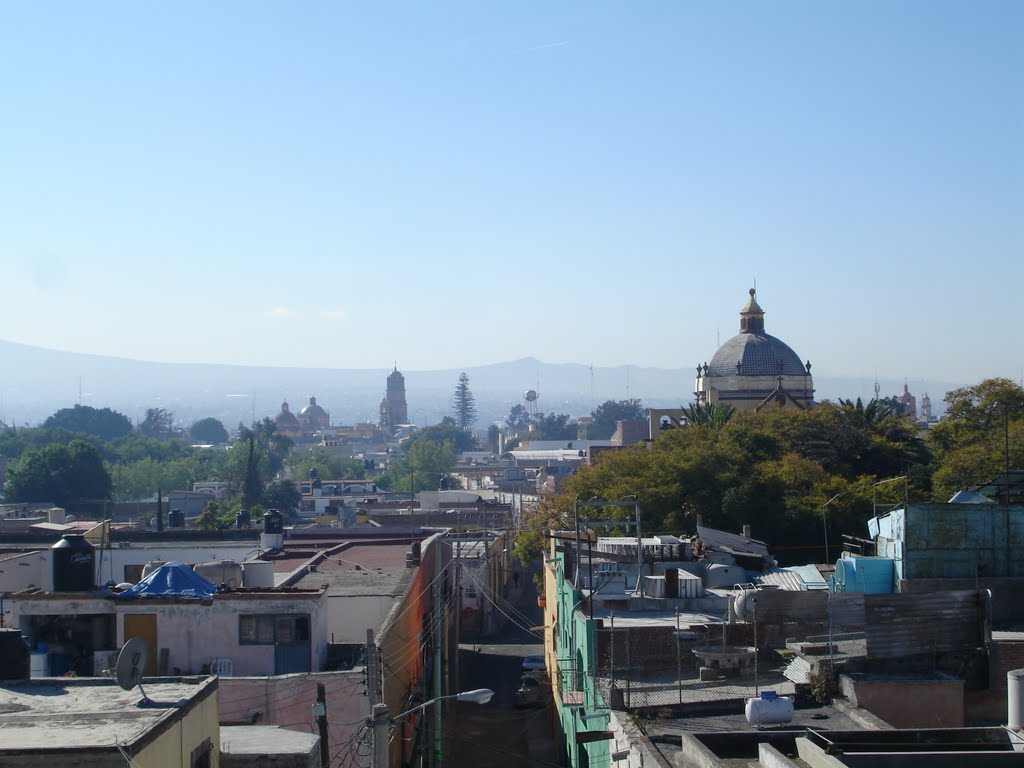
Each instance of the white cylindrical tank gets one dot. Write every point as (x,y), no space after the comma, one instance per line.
(1015,698)
(226,572)
(151,566)
(258,573)
(56,515)
(39,664)
(272,540)
(778,711)
(744,604)
(719,575)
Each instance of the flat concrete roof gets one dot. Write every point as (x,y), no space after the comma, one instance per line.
(57,714)
(266,741)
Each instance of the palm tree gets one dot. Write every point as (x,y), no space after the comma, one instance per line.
(714,416)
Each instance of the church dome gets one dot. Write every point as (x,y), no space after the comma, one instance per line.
(313,416)
(285,420)
(755,354)
(752,352)
(396,377)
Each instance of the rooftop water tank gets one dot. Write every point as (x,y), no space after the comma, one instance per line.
(226,572)
(14,655)
(258,573)
(242,519)
(719,575)
(769,710)
(74,564)
(870,575)
(273,522)
(151,566)
(176,519)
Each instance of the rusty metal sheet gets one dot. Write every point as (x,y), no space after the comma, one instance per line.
(779,606)
(910,624)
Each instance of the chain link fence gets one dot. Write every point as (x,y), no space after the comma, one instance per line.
(642,666)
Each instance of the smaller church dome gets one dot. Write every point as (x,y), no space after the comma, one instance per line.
(285,420)
(313,416)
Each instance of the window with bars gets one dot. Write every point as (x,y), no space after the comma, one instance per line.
(273,629)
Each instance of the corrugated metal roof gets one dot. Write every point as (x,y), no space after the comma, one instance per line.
(798,670)
(715,539)
(908,624)
(782,579)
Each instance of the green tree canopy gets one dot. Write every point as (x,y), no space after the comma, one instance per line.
(209,430)
(609,412)
(463,403)
(421,468)
(774,469)
(460,439)
(282,495)
(556,426)
(328,464)
(100,422)
(70,475)
(256,459)
(982,431)
(157,424)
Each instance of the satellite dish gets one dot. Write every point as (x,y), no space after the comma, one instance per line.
(130,664)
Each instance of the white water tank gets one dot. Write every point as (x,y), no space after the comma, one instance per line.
(39,665)
(56,516)
(218,572)
(258,573)
(769,711)
(1014,699)
(720,575)
(272,541)
(151,566)
(744,604)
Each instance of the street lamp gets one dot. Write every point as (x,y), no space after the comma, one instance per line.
(381,721)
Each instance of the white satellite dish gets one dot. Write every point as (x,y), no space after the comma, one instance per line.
(131,663)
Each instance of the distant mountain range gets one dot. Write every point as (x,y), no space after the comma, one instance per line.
(35,382)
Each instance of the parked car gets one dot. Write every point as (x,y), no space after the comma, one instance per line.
(530,693)
(534,662)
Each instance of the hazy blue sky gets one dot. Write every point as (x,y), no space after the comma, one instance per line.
(346,185)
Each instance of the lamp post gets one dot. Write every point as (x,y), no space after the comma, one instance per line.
(381,721)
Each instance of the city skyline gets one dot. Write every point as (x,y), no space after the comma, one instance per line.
(460,185)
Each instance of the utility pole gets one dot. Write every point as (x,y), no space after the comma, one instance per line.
(372,671)
(380,736)
(438,597)
(320,713)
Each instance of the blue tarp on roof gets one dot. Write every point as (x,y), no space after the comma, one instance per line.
(172,580)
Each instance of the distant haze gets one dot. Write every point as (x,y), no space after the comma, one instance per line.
(36,382)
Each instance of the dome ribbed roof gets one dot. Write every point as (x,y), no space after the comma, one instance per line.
(758,354)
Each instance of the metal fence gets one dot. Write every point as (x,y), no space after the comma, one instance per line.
(660,666)
(650,663)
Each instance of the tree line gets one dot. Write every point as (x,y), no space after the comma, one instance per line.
(797,476)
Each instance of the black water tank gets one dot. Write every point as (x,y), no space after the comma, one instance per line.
(273,522)
(74,564)
(242,519)
(176,519)
(15,655)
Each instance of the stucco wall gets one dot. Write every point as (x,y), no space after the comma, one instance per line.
(195,632)
(910,703)
(174,747)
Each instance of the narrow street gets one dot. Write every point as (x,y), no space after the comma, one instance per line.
(498,735)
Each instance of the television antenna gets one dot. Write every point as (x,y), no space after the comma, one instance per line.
(130,664)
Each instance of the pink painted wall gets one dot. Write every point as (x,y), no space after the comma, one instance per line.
(287,701)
